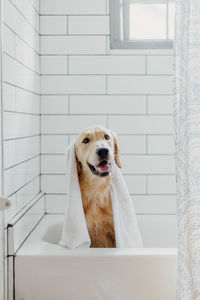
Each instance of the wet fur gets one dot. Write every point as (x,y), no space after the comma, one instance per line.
(95,192)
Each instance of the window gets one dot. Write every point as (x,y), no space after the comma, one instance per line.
(142,24)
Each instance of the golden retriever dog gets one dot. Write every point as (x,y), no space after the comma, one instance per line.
(96,151)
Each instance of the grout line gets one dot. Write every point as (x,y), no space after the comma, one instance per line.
(40,163)
(156,214)
(131,194)
(146,184)
(15,33)
(108,45)
(119,134)
(74,15)
(102,54)
(124,174)
(147,104)
(22,162)
(21,63)
(68,62)
(64,194)
(35,8)
(35,194)
(67,25)
(108,74)
(62,74)
(21,88)
(25,18)
(69,104)
(97,94)
(34,178)
(20,214)
(75,34)
(77,133)
(22,113)
(112,115)
(122,154)
(40,119)
(147,136)
(137,214)
(21,138)
(45,204)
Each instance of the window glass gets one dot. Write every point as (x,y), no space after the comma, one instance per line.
(147,21)
(142,24)
(171,8)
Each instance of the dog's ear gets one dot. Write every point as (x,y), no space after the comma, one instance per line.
(116,150)
(78,164)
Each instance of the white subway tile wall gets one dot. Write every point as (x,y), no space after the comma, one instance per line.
(73,7)
(73,44)
(2,269)
(58,63)
(85,24)
(84,82)
(21,102)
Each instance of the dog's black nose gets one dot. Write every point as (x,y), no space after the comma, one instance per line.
(102,152)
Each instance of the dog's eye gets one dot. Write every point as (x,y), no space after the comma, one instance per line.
(107,137)
(85,141)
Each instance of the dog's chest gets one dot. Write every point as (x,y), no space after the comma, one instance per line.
(99,219)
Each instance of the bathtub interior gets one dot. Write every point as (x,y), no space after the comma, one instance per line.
(157,232)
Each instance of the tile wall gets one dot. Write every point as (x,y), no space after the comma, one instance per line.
(60,76)
(21,102)
(84,82)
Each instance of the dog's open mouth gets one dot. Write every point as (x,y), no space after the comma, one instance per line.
(102,169)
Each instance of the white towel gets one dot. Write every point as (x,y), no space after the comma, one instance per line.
(75,233)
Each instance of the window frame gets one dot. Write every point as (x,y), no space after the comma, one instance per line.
(119,27)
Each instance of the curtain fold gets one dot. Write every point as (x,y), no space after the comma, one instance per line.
(187,137)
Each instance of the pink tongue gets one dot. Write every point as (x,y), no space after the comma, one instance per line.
(104,168)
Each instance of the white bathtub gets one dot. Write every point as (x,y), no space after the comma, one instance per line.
(45,271)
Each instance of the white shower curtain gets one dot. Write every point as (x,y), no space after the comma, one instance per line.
(187,130)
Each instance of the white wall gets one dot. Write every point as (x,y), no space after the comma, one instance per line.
(84,83)
(21,102)
(1,213)
(2,273)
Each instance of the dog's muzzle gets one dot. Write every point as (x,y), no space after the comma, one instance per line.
(102,169)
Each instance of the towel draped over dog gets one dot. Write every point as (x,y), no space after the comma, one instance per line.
(75,233)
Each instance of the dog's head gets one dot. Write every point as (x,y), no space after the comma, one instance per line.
(96,150)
